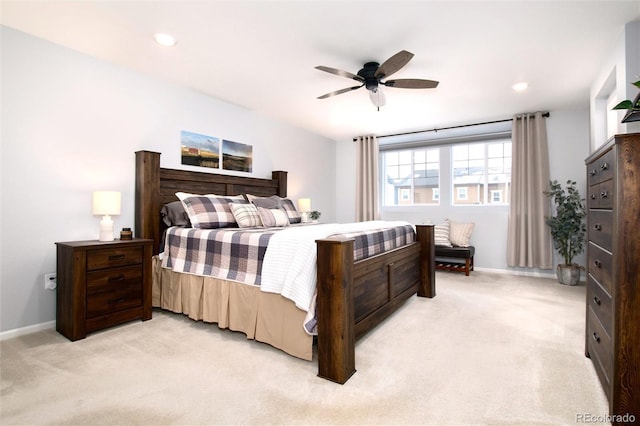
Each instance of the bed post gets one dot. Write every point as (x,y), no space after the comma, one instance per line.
(281,177)
(147,198)
(335,310)
(425,235)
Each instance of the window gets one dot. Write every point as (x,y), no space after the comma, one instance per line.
(481,169)
(411,176)
(474,173)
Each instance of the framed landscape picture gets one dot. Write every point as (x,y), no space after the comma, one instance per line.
(199,150)
(237,156)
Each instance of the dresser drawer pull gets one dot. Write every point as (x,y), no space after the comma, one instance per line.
(596,337)
(122,299)
(116,278)
(116,257)
(597,227)
(604,166)
(596,299)
(604,194)
(593,196)
(592,172)
(597,263)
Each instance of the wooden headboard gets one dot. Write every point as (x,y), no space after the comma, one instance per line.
(156,186)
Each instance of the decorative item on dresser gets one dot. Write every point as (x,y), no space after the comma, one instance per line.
(613,267)
(101,284)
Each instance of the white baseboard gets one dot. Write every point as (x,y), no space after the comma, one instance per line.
(9,334)
(518,273)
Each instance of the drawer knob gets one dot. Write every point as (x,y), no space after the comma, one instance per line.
(597,227)
(604,166)
(592,172)
(596,337)
(604,194)
(597,263)
(596,299)
(593,196)
(116,257)
(116,278)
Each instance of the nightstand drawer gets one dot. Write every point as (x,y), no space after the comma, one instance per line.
(600,303)
(113,290)
(114,257)
(600,228)
(599,266)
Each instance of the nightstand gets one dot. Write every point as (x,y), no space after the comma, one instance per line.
(101,284)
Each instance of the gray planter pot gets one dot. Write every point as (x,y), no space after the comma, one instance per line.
(568,274)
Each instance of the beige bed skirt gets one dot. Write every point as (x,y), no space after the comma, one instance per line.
(265,317)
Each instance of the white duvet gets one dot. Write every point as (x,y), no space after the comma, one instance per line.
(289,264)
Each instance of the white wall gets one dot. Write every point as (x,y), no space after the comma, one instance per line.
(71,125)
(568,137)
(618,71)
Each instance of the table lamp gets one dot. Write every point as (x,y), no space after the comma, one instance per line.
(304,207)
(106,203)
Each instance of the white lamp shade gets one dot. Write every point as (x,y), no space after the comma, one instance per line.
(304,204)
(106,202)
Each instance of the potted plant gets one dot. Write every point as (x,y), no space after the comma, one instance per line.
(632,107)
(568,228)
(314,215)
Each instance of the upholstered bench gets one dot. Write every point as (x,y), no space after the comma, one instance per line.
(459,259)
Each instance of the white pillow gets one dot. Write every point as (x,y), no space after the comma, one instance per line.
(459,233)
(441,234)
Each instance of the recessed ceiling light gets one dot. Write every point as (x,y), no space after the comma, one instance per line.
(165,39)
(520,87)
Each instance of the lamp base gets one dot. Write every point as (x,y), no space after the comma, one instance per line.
(304,217)
(106,229)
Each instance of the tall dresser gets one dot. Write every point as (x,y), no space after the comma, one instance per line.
(613,266)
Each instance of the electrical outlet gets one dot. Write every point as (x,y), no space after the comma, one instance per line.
(50,281)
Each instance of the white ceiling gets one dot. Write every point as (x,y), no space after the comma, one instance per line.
(261,54)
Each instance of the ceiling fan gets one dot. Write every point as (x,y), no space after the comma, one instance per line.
(372,74)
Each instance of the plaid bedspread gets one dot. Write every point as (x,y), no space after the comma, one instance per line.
(238,254)
(370,243)
(231,254)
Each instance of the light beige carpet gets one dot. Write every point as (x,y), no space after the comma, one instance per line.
(489,349)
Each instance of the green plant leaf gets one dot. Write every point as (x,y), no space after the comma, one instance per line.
(626,104)
(637,84)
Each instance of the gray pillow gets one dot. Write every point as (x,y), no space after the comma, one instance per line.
(173,214)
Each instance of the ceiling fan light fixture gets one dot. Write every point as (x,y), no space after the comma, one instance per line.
(377,98)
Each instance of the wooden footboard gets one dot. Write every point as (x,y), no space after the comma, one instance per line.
(353,297)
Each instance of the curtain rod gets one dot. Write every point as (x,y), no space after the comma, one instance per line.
(544,114)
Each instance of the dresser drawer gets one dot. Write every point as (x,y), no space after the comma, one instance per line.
(602,168)
(112,290)
(599,266)
(600,228)
(601,195)
(600,302)
(114,257)
(599,346)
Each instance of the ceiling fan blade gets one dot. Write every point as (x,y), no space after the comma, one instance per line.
(340,73)
(393,64)
(411,83)
(339,92)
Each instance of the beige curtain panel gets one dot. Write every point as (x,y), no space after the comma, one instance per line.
(528,237)
(367,179)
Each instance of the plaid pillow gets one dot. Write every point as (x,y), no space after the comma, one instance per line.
(273,217)
(290,209)
(209,211)
(246,215)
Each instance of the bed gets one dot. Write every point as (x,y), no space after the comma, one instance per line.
(353,296)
